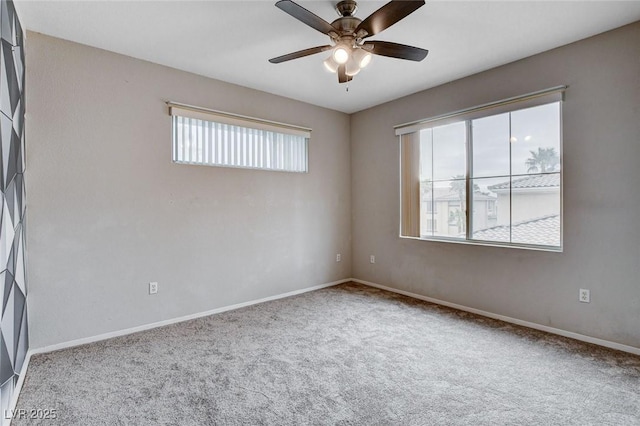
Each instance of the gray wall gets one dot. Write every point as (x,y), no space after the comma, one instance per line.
(601,197)
(109,212)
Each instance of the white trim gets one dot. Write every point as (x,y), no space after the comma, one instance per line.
(485,243)
(16,391)
(105,336)
(559,332)
(118,333)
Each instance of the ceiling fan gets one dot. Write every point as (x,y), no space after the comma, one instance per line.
(350,51)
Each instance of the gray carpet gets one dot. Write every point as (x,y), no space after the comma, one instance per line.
(349,355)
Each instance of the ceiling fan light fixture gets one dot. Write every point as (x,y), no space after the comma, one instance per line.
(352,68)
(341,54)
(331,65)
(362,57)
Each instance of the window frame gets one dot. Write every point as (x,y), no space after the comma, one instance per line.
(530,100)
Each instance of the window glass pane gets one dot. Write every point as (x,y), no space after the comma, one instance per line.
(491,209)
(535,214)
(449,151)
(449,205)
(491,146)
(427,209)
(535,139)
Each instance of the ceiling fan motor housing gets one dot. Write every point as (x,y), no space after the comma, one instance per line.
(346,7)
(346,25)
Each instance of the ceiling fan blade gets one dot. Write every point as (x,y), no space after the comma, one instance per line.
(395,50)
(299,54)
(303,15)
(388,15)
(342,74)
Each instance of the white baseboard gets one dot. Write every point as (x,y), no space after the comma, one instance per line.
(118,333)
(105,336)
(560,332)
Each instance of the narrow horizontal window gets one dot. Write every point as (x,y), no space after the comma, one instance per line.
(213,138)
(487,175)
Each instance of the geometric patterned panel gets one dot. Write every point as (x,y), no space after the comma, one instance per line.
(14,337)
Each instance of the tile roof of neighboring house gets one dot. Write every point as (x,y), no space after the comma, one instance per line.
(477,196)
(437,192)
(446,194)
(535,181)
(543,231)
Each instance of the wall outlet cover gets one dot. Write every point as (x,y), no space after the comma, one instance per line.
(584,296)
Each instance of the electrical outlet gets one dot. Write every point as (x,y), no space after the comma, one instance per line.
(584,296)
(338,257)
(372,259)
(153,288)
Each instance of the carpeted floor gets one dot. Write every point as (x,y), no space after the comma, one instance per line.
(349,355)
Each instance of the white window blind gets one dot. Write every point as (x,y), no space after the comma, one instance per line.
(214,138)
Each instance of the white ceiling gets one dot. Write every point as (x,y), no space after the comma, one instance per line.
(232,40)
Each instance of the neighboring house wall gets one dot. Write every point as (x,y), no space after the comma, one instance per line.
(541,202)
(600,176)
(109,212)
(14,340)
(484,214)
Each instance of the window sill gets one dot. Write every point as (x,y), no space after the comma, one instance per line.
(487,243)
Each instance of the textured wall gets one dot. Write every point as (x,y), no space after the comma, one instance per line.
(601,197)
(109,211)
(13,326)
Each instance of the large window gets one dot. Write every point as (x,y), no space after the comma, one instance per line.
(489,175)
(214,138)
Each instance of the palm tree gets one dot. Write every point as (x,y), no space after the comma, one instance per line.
(545,160)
